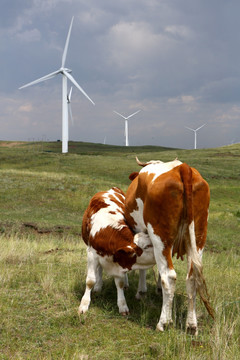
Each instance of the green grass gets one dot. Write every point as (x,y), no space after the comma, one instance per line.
(43,260)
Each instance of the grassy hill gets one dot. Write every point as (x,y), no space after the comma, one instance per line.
(43,262)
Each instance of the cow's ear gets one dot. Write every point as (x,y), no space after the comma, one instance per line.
(133,175)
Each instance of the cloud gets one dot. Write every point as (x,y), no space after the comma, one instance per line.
(135,43)
(179,31)
(29,35)
(25,108)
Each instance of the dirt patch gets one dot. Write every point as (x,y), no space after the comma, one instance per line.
(11,143)
(56,229)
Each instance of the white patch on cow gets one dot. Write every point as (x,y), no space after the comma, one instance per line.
(137,216)
(109,216)
(160,168)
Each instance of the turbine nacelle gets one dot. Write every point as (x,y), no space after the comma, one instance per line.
(62,70)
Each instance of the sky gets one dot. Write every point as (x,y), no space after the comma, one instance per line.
(176,60)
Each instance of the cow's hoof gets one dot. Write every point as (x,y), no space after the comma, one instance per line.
(125,313)
(83,308)
(162,327)
(192,330)
(140,295)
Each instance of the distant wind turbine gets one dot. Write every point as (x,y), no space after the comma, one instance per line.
(65,72)
(195,134)
(126,123)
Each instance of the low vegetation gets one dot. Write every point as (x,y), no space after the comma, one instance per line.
(43,260)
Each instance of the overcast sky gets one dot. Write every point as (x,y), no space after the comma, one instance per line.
(176,60)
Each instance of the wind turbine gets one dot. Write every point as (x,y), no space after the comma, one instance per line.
(65,72)
(195,134)
(126,123)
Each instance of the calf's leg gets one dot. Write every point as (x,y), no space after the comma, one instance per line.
(92,266)
(121,301)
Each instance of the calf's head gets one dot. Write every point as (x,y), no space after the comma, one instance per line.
(138,254)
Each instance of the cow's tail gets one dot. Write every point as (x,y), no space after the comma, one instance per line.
(190,241)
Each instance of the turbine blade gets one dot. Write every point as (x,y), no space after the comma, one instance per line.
(189,128)
(70,112)
(44,78)
(77,85)
(120,115)
(200,127)
(133,114)
(70,94)
(66,44)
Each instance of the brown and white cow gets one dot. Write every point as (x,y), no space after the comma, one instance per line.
(112,246)
(170,202)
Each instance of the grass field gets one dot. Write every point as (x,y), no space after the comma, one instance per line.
(43,260)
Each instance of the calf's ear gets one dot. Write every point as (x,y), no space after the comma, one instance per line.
(125,257)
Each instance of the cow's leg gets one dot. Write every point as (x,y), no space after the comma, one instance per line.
(92,264)
(168,277)
(121,301)
(142,285)
(191,323)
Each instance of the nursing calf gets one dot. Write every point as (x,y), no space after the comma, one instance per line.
(112,246)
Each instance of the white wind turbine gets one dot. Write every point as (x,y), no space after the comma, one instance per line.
(126,123)
(65,72)
(195,134)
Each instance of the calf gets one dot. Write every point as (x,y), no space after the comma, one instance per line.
(170,202)
(112,246)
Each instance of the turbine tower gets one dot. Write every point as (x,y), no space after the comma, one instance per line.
(66,74)
(126,123)
(195,134)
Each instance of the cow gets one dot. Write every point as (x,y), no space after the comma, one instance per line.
(169,201)
(112,246)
